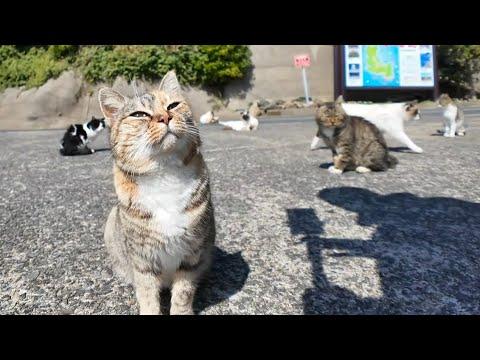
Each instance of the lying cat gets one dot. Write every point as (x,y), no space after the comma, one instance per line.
(208,118)
(453,117)
(388,118)
(248,123)
(161,232)
(77,137)
(356,144)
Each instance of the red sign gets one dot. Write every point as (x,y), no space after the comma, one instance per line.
(302,60)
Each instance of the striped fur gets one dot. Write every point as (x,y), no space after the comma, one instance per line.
(161,232)
(356,144)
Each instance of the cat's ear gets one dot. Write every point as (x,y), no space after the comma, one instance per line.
(170,83)
(339,100)
(339,108)
(322,106)
(111,104)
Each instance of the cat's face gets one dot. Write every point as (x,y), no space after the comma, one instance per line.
(331,115)
(96,125)
(412,111)
(444,100)
(147,125)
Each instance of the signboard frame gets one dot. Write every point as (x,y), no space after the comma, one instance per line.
(340,82)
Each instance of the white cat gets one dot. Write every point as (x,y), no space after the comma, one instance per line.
(453,117)
(388,118)
(248,123)
(208,118)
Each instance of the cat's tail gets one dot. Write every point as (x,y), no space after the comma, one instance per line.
(392,161)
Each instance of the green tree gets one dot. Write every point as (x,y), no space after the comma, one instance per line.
(457,66)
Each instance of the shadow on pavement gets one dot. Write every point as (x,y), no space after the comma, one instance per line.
(325,165)
(426,250)
(400,149)
(227,276)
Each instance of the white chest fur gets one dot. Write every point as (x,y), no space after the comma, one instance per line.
(328,132)
(165,194)
(450,112)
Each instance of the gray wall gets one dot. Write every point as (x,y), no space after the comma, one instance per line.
(275,77)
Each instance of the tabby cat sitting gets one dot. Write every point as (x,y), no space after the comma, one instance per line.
(161,232)
(356,144)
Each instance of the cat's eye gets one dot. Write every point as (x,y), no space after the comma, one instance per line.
(139,114)
(173,105)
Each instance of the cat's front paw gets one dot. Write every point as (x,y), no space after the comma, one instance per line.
(178,310)
(332,169)
(362,169)
(448,135)
(92,151)
(316,143)
(417,150)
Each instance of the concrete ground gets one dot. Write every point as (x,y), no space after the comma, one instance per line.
(292,238)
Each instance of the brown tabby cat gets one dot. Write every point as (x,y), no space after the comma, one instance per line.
(356,144)
(162,231)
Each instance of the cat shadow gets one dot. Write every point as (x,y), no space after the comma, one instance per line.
(438,133)
(325,165)
(227,276)
(400,149)
(102,149)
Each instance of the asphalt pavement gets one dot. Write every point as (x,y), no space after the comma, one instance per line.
(291,237)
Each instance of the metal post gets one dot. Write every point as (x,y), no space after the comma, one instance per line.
(305,85)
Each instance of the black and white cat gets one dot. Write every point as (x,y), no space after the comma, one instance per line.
(77,137)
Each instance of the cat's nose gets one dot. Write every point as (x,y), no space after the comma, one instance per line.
(163,118)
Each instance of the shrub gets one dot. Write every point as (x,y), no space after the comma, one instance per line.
(457,66)
(31,69)
(62,51)
(222,63)
(210,65)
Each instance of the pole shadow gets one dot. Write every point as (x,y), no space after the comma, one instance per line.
(427,253)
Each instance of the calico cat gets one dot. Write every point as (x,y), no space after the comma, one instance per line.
(356,144)
(162,231)
(453,117)
(388,118)
(77,137)
(248,123)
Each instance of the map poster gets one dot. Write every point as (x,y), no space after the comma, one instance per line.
(389,66)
